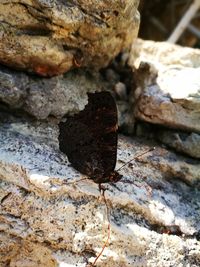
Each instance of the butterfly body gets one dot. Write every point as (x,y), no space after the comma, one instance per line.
(89,138)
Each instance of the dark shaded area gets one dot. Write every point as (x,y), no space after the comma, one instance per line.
(160,17)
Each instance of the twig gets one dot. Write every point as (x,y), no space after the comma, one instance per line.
(194,30)
(184,22)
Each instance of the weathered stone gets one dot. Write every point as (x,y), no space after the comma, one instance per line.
(53,36)
(163,54)
(158,104)
(40,204)
(184,142)
(22,253)
(188,143)
(173,98)
(43,97)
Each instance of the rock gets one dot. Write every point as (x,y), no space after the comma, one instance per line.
(120,90)
(53,36)
(42,97)
(188,143)
(154,215)
(111,76)
(171,99)
(159,105)
(125,118)
(28,254)
(184,142)
(163,55)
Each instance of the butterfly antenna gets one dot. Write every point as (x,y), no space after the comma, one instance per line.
(108,230)
(137,156)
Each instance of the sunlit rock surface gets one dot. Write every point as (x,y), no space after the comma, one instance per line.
(171,99)
(163,54)
(53,36)
(154,214)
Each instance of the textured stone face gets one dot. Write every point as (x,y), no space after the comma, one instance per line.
(43,97)
(159,107)
(47,218)
(173,97)
(163,54)
(188,143)
(52,37)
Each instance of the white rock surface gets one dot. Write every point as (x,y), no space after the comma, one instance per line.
(173,98)
(163,54)
(154,215)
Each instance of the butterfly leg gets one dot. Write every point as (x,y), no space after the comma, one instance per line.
(102,190)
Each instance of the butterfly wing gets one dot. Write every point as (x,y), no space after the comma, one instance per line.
(89,138)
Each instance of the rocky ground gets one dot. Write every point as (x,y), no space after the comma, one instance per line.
(154,209)
(48,217)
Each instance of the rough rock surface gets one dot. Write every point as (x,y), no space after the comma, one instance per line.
(183,142)
(173,98)
(188,143)
(42,97)
(163,54)
(50,37)
(154,214)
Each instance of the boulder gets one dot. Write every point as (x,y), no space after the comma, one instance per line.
(163,54)
(41,97)
(187,143)
(168,92)
(153,210)
(183,142)
(51,37)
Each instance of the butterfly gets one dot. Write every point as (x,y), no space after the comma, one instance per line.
(89,138)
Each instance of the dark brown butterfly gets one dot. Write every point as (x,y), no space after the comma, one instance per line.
(89,138)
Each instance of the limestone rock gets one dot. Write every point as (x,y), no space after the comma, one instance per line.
(53,36)
(22,253)
(183,142)
(43,97)
(163,54)
(159,107)
(152,210)
(173,97)
(188,143)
